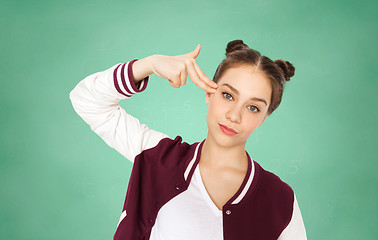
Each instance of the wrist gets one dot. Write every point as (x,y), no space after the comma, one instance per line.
(142,69)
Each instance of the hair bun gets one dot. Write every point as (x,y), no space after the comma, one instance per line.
(287,68)
(234,46)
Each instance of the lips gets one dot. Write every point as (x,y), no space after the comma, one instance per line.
(227,130)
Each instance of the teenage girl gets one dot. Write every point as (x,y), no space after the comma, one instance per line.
(208,190)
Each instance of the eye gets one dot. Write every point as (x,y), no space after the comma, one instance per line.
(227,95)
(253,108)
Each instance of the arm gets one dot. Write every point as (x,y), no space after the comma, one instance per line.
(296,229)
(96,100)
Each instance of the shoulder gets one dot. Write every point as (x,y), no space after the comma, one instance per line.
(269,181)
(168,151)
(168,146)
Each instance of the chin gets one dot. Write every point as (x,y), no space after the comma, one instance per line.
(225,141)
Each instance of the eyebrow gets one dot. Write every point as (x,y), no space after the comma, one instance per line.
(237,92)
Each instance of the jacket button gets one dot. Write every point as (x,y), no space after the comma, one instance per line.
(228,212)
(178,187)
(150,220)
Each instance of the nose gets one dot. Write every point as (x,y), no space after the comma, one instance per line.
(234,114)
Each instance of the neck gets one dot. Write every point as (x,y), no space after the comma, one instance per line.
(215,155)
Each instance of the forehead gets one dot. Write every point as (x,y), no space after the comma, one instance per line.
(249,81)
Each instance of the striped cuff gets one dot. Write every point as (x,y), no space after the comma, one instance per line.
(124,81)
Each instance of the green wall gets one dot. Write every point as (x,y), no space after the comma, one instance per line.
(59,180)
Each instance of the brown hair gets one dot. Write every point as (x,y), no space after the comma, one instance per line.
(278,72)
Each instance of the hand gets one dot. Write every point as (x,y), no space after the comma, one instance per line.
(177,68)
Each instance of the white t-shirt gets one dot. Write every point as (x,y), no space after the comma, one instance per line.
(191,215)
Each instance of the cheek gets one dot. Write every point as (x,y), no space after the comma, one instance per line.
(212,112)
(215,106)
(252,123)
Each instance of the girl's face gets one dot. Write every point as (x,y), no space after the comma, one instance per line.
(239,105)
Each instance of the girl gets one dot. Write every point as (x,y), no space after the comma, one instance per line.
(210,189)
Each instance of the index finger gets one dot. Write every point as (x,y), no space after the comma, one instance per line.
(203,77)
(198,81)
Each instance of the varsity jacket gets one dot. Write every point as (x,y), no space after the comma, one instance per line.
(264,207)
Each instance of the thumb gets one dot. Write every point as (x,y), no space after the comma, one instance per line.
(195,53)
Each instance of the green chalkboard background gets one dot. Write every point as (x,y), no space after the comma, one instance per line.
(59,180)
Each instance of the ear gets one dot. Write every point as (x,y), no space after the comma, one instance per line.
(207,97)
